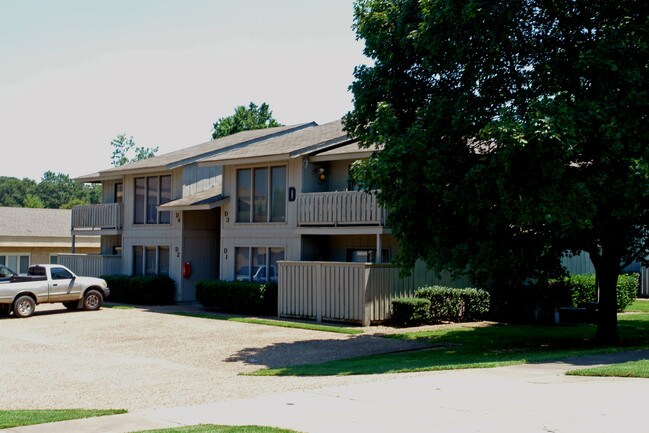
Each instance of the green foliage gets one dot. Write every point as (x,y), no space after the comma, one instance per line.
(453,304)
(244,119)
(126,151)
(410,311)
(54,191)
(511,132)
(33,201)
(141,290)
(582,289)
(13,191)
(238,296)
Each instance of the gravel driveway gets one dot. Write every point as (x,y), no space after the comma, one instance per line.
(139,358)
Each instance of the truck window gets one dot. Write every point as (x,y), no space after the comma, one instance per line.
(60,274)
(36,271)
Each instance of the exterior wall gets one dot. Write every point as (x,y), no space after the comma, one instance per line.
(278,235)
(198,179)
(43,254)
(336,176)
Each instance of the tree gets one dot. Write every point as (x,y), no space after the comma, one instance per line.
(58,191)
(33,201)
(244,119)
(513,131)
(125,151)
(13,191)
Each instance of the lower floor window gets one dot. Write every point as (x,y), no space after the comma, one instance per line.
(369,256)
(16,262)
(257,263)
(151,260)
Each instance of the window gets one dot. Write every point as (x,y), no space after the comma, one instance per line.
(16,262)
(151,260)
(119,192)
(61,274)
(257,263)
(261,194)
(367,256)
(151,192)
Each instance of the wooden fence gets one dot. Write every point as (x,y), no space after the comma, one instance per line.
(348,292)
(90,265)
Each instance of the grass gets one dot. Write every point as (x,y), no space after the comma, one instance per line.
(628,369)
(213,428)
(481,347)
(271,322)
(638,306)
(119,307)
(18,418)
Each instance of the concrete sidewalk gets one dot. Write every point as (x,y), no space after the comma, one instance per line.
(523,398)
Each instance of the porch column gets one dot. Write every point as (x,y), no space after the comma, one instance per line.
(72,244)
(377,259)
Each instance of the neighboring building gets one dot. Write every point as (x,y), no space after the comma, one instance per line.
(233,208)
(30,236)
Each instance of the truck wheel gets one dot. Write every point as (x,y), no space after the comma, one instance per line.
(92,300)
(24,306)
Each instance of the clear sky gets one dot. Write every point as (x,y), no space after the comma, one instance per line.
(77,73)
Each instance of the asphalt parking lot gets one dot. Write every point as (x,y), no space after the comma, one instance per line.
(140,358)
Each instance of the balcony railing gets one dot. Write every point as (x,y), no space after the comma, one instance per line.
(97,217)
(90,265)
(339,208)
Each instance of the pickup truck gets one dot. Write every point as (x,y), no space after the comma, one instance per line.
(50,284)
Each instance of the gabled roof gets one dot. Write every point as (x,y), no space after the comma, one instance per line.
(306,141)
(191,154)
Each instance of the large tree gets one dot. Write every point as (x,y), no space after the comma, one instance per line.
(244,119)
(512,132)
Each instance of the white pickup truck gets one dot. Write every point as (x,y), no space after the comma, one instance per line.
(50,284)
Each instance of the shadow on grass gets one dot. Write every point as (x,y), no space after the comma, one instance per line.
(484,347)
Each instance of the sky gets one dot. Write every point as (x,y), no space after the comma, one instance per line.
(77,73)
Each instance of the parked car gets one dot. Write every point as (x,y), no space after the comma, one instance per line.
(6,273)
(50,284)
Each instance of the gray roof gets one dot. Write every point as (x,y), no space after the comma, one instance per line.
(26,222)
(190,154)
(301,142)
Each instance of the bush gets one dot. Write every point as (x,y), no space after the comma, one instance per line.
(238,296)
(455,305)
(583,289)
(141,290)
(410,311)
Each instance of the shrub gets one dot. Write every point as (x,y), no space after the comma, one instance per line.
(456,305)
(141,290)
(238,296)
(410,311)
(583,289)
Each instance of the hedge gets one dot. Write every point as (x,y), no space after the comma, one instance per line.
(410,311)
(583,289)
(453,304)
(238,296)
(141,290)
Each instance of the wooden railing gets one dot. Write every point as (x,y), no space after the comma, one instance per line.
(348,292)
(89,265)
(97,217)
(339,208)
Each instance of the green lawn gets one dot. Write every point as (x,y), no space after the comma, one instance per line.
(273,322)
(481,347)
(640,306)
(17,418)
(627,369)
(213,428)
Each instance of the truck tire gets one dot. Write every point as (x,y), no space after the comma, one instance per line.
(92,300)
(24,306)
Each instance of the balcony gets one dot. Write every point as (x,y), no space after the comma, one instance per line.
(339,209)
(99,219)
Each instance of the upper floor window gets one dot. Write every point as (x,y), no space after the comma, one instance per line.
(151,192)
(261,194)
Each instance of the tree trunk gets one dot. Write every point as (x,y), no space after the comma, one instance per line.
(607,274)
